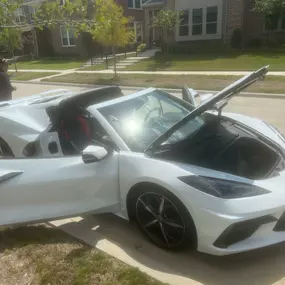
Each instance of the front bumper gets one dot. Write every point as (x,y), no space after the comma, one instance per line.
(246,235)
(228,226)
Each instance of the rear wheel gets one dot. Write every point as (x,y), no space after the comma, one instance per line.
(163,218)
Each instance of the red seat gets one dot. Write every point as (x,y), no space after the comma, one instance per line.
(83,126)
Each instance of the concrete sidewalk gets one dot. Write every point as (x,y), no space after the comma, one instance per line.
(118,238)
(108,71)
(137,88)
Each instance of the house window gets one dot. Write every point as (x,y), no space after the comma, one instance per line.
(184,24)
(202,21)
(274,22)
(197,22)
(135,4)
(30,13)
(137,27)
(283,23)
(67,37)
(212,20)
(271,22)
(138,31)
(20,15)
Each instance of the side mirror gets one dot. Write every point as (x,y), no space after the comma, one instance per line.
(189,95)
(94,153)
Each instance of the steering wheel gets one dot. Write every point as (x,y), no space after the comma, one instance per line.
(151,111)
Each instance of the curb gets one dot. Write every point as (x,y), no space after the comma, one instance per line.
(134,88)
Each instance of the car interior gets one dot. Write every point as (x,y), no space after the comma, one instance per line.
(224,146)
(75,126)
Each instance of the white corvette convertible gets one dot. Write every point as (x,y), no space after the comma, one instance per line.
(186,173)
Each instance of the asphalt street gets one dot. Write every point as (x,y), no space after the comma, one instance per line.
(270,110)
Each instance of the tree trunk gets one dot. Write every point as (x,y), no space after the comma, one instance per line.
(13,54)
(35,40)
(14,60)
(114,59)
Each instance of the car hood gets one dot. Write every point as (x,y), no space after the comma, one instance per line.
(263,128)
(217,102)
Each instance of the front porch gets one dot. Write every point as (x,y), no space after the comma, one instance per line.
(152,34)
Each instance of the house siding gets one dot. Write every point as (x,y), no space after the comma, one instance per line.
(233,17)
(60,50)
(79,49)
(254,25)
(136,14)
(189,5)
(253,20)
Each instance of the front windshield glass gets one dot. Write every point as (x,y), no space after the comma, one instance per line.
(141,120)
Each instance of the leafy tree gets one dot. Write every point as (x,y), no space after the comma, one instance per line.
(270,6)
(72,14)
(10,34)
(111,28)
(272,9)
(166,20)
(103,19)
(10,38)
(75,14)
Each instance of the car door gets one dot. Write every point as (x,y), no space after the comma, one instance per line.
(189,95)
(48,188)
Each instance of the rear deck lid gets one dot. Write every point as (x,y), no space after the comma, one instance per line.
(216,102)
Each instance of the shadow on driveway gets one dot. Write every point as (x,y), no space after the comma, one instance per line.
(260,267)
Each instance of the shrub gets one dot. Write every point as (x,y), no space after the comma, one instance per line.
(236,39)
(272,43)
(255,43)
(141,47)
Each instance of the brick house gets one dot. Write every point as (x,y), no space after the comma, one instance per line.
(63,42)
(212,20)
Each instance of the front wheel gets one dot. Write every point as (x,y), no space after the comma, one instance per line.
(163,219)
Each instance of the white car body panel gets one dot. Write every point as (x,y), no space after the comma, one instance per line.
(48,188)
(53,186)
(212,215)
(26,123)
(257,125)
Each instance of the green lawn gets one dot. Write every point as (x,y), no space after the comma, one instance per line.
(272,84)
(214,61)
(25,76)
(40,255)
(49,64)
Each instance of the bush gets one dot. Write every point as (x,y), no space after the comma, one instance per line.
(272,43)
(236,39)
(255,43)
(141,47)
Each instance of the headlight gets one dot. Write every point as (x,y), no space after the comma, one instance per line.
(224,189)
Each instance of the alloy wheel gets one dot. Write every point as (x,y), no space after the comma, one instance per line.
(160,220)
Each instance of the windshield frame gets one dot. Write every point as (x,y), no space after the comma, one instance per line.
(97,108)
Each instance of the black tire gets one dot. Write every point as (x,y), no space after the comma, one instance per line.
(171,229)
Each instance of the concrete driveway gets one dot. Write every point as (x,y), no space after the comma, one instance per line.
(120,239)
